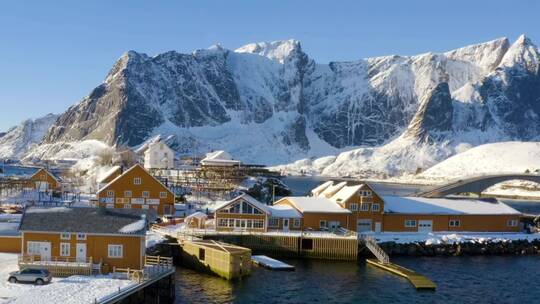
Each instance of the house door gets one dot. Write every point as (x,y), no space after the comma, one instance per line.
(364,225)
(81,252)
(45,251)
(285,224)
(425,226)
(241,224)
(378,227)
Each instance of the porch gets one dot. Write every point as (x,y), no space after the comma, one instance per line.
(61,266)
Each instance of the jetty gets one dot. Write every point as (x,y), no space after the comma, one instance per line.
(269,263)
(419,281)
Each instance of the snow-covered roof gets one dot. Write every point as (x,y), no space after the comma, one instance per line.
(248,198)
(198,215)
(284,211)
(330,191)
(320,188)
(219,157)
(108,173)
(315,204)
(422,205)
(345,193)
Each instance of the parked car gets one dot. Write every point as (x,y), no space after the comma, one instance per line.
(37,276)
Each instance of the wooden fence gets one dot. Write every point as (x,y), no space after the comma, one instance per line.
(59,266)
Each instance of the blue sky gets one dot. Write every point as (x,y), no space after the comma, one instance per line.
(52,55)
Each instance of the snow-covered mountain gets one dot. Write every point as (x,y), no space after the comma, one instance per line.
(271,103)
(17,141)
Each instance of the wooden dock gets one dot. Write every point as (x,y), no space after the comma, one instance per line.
(419,281)
(269,263)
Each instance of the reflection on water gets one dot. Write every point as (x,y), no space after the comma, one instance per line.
(482,279)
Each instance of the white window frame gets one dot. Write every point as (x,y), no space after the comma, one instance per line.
(128,193)
(353,206)
(364,207)
(163,194)
(454,223)
(273,222)
(512,223)
(297,223)
(127,206)
(81,236)
(110,193)
(137,181)
(65,236)
(115,251)
(145,194)
(258,224)
(411,223)
(375,209)
(323,224)
(63,252)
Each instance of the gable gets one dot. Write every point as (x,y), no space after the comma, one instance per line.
(127,178)
(43,173)
(241,205)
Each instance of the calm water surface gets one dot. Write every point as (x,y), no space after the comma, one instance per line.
(482,279)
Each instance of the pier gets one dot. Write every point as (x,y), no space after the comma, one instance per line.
(270,263)
(419,281)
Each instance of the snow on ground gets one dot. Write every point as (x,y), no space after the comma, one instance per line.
(450,237)
(74,289)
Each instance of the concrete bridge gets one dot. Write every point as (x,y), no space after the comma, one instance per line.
(476,184)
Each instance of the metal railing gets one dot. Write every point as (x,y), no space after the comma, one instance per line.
(379,253)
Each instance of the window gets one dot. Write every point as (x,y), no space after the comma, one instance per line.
(65,236)
(110,193)
(296,223)
(322,224)
(137,181)
(364,207)
(240,208)
(223,223)
(33,248)
(81,236)
(353,207)
(273,222)
(512,223)
(163,195)
(231,222)
(127,193)
(116,251)
(410,223)
(454,223)
(365,193)
(375,207)
(64,249)
(146,194)
(258,224)
(127,206)
(249,223)
(145,207)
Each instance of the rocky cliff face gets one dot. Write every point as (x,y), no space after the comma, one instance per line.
(18,140)
(271,103)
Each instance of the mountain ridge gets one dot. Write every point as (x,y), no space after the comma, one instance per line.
(271,103)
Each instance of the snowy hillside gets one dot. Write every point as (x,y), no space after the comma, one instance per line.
(18,140)
(503,157)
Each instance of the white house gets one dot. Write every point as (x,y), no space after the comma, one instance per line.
(158,156)
(219,158)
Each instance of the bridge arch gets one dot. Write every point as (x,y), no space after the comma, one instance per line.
(476,184)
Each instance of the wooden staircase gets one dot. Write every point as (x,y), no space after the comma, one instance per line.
(377,251)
